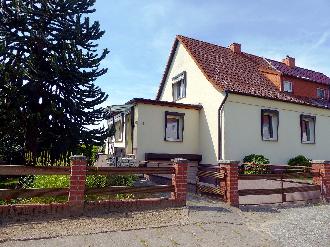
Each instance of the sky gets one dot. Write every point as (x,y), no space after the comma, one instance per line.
(140,34)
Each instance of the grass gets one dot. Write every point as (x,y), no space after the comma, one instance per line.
(63,181)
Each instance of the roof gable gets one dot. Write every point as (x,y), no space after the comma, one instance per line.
(241,72)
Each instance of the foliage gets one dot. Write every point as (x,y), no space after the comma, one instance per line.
(255,168)
(51,181)
(255,164)
(256,159)
(90,151)
(49,62)
(299,160)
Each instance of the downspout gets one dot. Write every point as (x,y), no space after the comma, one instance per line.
(132,127)
(220,126)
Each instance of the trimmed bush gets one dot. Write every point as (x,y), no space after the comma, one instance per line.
(299,160)
(255,164)
(256,159)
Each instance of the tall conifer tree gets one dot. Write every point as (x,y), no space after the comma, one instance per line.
(48,65)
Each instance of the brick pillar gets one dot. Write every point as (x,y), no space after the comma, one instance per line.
(179,180)
(77,184)
(231,181)
(321,170)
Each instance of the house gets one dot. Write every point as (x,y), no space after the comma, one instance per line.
(222,103)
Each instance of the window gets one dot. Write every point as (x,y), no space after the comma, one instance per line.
(269,125)
(119,130)
(321,93)
(287,86)
(307,125)
(179,86)
(173,126)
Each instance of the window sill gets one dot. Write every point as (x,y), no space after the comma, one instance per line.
(307,142)
(167,140)
(270,140)
(175,100)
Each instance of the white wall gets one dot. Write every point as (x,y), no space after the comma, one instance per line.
(242,123)
(150,130)
(199,91)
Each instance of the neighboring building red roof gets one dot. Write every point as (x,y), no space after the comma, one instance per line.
(300,72)
(240,72)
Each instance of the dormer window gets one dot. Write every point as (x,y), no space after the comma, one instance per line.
(321,93)
(179,86)
(287,86)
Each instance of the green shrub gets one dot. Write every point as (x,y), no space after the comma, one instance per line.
(256,159)
(299,160)
(255,164)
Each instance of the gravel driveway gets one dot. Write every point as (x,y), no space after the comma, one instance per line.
(204,223)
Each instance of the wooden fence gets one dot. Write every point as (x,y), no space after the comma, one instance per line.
(209,180)
(76,192)
(297,175)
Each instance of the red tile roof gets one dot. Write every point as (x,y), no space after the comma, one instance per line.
(300,72)
(240,72)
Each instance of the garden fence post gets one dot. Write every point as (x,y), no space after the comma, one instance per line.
(321,176)
(179,180)
(77,184)
(231,181)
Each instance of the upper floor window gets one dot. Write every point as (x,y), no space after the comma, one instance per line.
(307,125)
(179,86)
(174,126)
(321,93)
(269,125)
(287,86)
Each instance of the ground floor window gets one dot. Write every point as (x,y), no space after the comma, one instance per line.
(307,124)
(269,125)
(119,129)
(174,122)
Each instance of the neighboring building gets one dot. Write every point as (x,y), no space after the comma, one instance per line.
(223,103)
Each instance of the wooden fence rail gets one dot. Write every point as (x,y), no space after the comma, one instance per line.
(216,189)
(9,170)
(77,190)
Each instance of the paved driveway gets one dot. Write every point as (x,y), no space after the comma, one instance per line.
(204,223)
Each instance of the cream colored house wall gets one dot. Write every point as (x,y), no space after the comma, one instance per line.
(242,130)
(199,91)
(150,127)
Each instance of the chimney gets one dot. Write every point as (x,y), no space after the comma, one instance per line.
(289,61)
(235,47)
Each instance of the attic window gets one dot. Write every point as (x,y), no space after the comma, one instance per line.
(269,125)
(179,86)
(287,86)
(307,125)
(321,93)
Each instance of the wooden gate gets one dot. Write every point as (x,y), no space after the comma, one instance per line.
(283,183)
(210,180)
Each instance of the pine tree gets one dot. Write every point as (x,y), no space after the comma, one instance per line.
(48,65)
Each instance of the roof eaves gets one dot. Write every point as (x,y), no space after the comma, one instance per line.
(167,68)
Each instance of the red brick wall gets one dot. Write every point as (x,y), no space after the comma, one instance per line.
(322,178)
(304,88)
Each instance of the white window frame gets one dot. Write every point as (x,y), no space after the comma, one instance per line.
(312,126)
(290,90)
(179,127)
(324,93)
(119,134)
(272,129)
(179,86)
